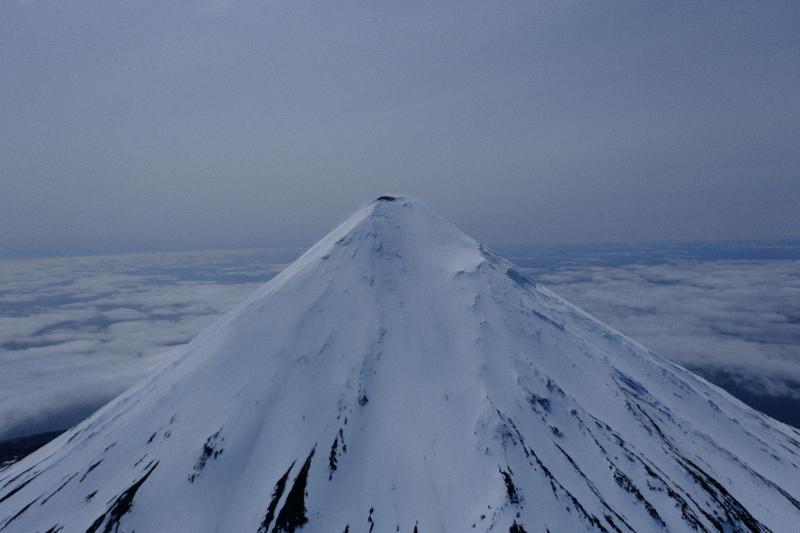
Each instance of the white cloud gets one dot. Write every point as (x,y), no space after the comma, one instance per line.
(737,317)
(76,332)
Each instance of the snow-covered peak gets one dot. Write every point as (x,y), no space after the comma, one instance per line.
(399,376)
(396,226)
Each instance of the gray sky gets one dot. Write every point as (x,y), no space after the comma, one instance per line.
(146,125)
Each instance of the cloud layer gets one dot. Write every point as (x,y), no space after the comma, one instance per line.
(75,332)
(741,318)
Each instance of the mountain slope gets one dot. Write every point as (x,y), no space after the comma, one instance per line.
(400,376)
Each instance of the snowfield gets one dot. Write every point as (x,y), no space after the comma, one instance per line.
(399,376)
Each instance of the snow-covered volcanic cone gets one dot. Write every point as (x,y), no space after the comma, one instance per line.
(401,377)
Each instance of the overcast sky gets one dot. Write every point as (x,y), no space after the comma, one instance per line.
(146,125)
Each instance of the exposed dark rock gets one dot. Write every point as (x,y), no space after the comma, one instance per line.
(511,490)
(735,512)
(516,528)
(332,458)
(277,492)
(212,449)
(293,512)
(89,470)
(535,399)
(625,482)
(556,486)
(19,513)
(19,487)
(64,484)
(121,506)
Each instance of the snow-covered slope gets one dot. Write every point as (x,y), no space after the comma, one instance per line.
(401,377)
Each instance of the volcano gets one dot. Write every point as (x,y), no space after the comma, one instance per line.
(399,376)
